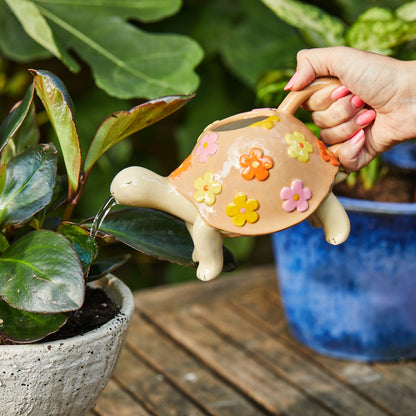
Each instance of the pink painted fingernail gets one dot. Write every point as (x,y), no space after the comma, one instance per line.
(339,92)
(357,136)
(357,101)
(289,85)
(364,118)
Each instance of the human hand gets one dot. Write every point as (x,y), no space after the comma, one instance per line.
(373,110)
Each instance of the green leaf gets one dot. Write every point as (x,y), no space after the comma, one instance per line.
(15,43)
(22,326)
(143,10)
(29,183)
(41,273)
(34,24)
(58,104)
(4,244)
(407,11)
(82,242)
(370,173)
(122,124)
(260,42)
(380,30)
(157,234)
(26,136)
(16,117)
(126,62)
(318,27)
(103,267)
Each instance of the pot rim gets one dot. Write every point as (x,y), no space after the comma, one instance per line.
(366,206)
(118,291)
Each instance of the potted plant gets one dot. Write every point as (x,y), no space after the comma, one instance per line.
(47,260)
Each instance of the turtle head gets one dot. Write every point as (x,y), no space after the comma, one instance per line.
(133,186)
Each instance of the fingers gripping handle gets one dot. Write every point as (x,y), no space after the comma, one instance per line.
(296,98)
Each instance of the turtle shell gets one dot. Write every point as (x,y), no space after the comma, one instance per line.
(256,173)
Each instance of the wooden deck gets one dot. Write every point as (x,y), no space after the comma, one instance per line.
(223,348)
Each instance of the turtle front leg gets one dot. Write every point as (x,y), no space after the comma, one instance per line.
(331,216)
(208,250)
(195,256)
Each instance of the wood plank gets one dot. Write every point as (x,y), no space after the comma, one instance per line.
(174,297)
(286,362)
(116,402)
(237,366)
(402,374)
(188,374)
(151,388)
(365,379)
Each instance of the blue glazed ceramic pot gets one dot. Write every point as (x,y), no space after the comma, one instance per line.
(357,300)
(403,155)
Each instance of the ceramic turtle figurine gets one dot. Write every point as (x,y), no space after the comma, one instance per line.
(252,173)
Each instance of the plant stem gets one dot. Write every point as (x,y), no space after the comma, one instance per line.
(74,199)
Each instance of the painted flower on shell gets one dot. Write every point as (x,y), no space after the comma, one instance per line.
(242,210)
(266,123)
(206,188)
(182,168)
(296,197)
(326,154)
(255,165)
(207,146)
(298,146)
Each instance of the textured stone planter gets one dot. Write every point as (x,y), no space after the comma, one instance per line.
(64,377)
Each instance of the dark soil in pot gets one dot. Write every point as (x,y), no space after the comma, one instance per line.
(395,186)
(97,310)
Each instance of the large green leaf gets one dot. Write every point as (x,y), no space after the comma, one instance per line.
(259,43)
(15,43)
(57,103)
(15,118)
(121,124)
(34,24)
(29,183)
(41,273)
(126,62)
(143,10)
(22,326)
(156,233)
(318,27)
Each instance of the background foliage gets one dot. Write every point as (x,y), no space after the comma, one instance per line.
(236,54)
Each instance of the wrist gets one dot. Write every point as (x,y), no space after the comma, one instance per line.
(408,83)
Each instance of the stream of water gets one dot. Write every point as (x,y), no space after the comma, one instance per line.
(102,213)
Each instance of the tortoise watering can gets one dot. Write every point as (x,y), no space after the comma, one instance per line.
(252,173)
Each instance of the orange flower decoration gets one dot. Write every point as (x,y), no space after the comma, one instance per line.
(326,154)
(183,167)
(255,165)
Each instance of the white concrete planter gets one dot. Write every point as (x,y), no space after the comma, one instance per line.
(64,377)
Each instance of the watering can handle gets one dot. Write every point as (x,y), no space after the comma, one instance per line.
(296,98)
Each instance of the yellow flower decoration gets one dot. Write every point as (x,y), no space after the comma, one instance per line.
(298,146)
(267,123)
(243,210)
(206,188)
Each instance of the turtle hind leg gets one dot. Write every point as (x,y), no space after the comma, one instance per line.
(331,216)
(208,250)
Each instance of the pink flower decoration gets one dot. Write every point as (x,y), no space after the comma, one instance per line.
(296,197)
(207,146)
